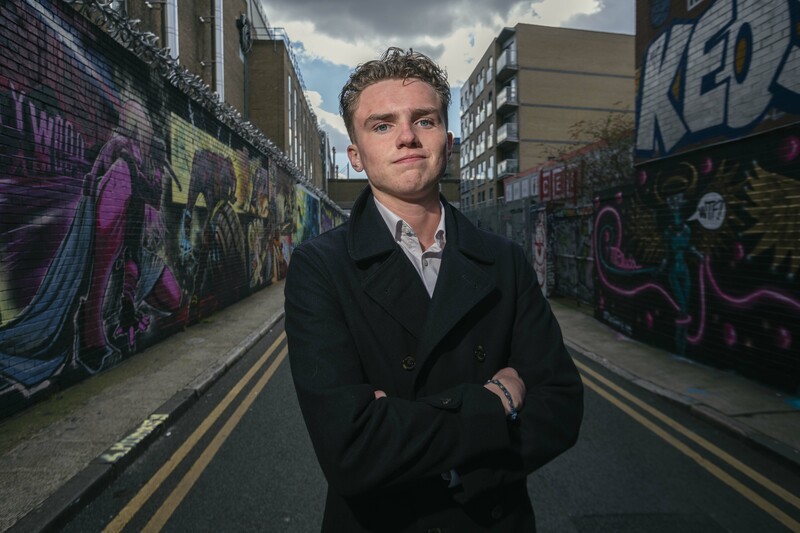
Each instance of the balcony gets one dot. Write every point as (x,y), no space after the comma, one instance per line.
(507,99)
(506,64)
(507,133)
(507,167)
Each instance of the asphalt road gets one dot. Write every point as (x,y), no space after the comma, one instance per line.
(240,460)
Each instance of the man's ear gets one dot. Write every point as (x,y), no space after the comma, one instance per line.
(450,139)
(355,159)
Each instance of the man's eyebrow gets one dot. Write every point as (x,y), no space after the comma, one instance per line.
(426,111)
(419,112)
(379,117)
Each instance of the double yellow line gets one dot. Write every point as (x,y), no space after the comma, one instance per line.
(615,395)
(164,512)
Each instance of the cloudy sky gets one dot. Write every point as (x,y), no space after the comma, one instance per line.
(330,38)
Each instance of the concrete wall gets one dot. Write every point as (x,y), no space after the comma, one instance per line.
(700,254)
(128,210)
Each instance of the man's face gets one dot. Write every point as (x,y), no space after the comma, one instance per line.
(400,140)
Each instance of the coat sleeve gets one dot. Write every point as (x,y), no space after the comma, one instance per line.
(550,419)
(364,444)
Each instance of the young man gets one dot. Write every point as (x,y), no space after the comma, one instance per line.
(431,373)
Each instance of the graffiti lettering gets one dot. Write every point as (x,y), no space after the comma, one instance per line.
(710,211)
(618,323)
(717,76)
(58,145)
(123,447)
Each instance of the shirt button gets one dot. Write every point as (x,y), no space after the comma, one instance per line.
(424,262)
(409,362)
(480,353)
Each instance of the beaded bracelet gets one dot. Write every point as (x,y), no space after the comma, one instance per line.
(507,394)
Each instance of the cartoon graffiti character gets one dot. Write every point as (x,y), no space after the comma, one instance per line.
(260,262)
(677,244)
(260,193)
(126,182)
(102,277)
(219,253)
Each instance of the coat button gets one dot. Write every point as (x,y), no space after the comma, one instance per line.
(409,362)
(446,401)
(497,512)
(480,353)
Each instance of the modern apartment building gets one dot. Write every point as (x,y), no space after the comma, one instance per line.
(532,85)
(231,46)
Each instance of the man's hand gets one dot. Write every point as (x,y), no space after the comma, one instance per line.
(513,384)
(379,394)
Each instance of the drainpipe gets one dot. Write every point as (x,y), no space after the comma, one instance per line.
(172,28)
(219,56)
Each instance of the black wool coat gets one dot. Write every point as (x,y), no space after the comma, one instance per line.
(358,319)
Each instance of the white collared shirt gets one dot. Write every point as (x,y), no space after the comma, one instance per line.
(427,262)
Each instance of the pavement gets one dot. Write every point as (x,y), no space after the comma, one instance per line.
(56,455)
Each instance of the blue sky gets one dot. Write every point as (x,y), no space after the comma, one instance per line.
(332,38)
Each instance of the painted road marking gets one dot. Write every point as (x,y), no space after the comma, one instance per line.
(720,474)
(147,491)
(172,502)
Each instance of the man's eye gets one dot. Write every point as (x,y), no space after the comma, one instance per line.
(426,122)
(382,128)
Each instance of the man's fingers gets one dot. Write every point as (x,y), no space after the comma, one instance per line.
(379,394)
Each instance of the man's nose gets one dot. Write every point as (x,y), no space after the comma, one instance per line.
(406,135)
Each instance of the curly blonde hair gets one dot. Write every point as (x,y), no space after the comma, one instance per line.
(394,64)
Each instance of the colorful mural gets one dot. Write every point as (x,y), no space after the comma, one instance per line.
(701,255)
(127,212)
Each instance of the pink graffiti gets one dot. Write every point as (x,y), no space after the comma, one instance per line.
(705,277)
(618,259)
(619,290)
(790,149)
(784,338)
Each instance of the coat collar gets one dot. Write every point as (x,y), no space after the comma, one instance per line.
(367,236)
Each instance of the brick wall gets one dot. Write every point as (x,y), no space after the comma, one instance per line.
(128,210)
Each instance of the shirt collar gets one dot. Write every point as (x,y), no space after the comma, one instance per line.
(395,223)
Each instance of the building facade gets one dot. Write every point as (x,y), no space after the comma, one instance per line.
(232,47)
(525,95)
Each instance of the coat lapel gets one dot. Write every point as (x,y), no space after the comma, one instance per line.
(390,279)
(462,283)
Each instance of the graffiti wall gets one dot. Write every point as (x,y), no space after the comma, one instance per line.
(701,256)
(126,210)
(712,70)
(570,243)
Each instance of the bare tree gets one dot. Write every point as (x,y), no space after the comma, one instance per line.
(603,152)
